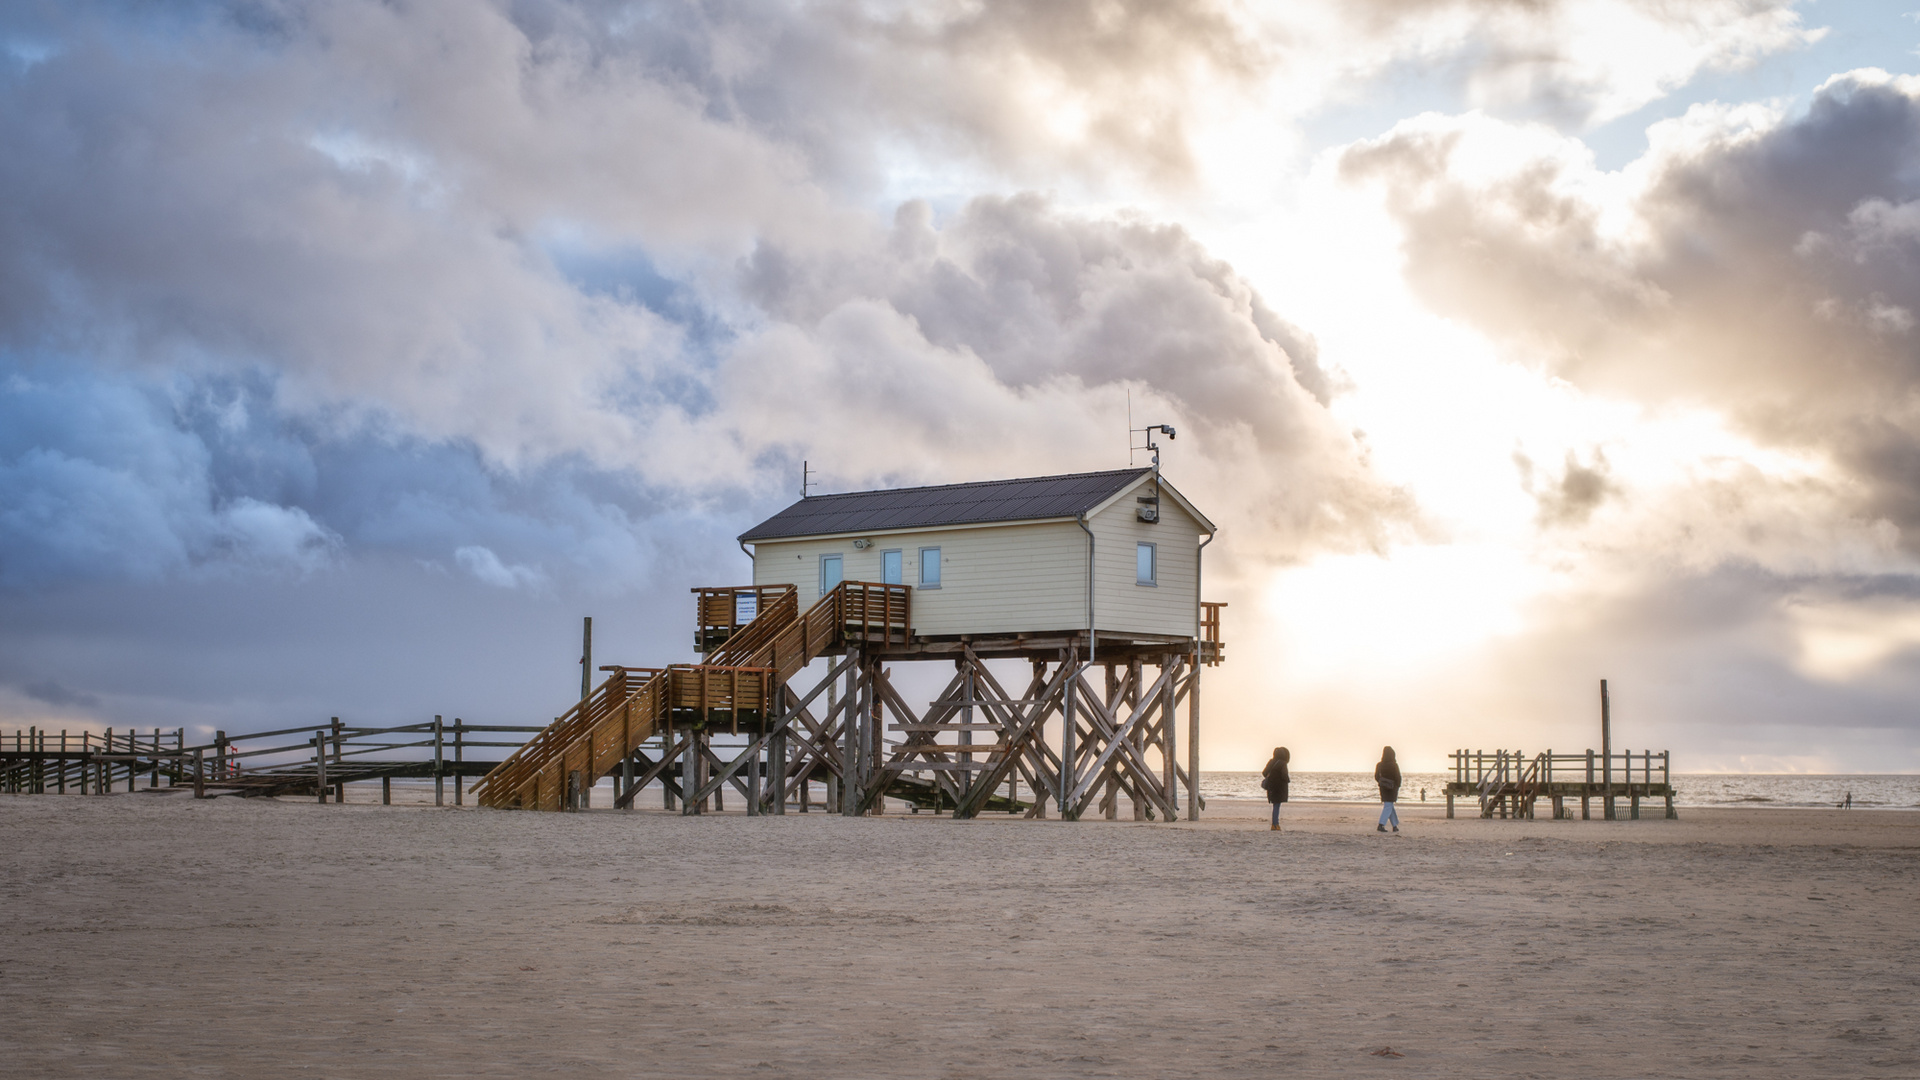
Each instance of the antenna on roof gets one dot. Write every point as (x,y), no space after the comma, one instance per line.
(805,483)
(1150,505)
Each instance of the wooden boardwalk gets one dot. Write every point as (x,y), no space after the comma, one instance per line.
(331,756)
(1507,783)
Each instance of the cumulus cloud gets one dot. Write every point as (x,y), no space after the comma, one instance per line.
(1014,332)
(1757,263)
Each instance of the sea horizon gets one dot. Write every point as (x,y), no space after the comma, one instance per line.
(1871,791)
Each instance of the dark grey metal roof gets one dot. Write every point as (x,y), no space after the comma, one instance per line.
(948,504)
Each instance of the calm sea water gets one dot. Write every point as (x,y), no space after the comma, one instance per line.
(1692,789)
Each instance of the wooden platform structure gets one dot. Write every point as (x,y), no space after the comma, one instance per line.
(330,757)
(1507,783)
(1096,717)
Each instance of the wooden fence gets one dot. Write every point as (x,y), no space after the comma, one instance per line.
(318,760)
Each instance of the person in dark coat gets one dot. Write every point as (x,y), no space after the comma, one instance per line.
(1274,779)
(1387,775)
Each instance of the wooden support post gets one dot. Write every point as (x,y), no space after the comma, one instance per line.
(666,747)
(60,778)
(459,741)
(586,661)
(1606,751)
(1136,679)
(690,774)
(850,743)
(777,761)
(1110,801)
(320,765)
(753,784)
(340,786)
(1586,791)
(386,791)
(439,771)
(876,737)
(1069,732)
(623,797)
(199,774)
(966,719)
(1193,738)
(1168,761)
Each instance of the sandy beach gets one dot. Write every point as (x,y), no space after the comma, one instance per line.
(152,935)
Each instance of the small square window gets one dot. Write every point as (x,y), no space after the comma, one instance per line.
(890,568)
(1146,565)
(829,573)
(929,568)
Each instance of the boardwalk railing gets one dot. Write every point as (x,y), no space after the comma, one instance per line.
(318,760)
(1506,783)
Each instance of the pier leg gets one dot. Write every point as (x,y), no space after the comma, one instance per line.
(1634,811)
(779,763)
(1671,816)
(1193,740)
(753,786)
(1449,804)
(386,791)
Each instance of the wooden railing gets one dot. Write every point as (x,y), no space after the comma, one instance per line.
(313,759)
(1509,781)
(622,712)
(775,615)
(1212,650)
(862,611)
(1478,767)
(635,704)
(718,610)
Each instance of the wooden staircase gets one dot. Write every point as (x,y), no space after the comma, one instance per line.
(741,677)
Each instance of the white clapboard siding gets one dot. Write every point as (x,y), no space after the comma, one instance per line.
(1029,577)
(1121,603)
(999,579)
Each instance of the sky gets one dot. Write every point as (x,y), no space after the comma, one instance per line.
(352,351)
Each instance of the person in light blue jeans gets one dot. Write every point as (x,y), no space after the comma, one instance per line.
(1387,775)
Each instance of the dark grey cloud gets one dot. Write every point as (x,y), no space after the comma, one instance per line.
(54,693)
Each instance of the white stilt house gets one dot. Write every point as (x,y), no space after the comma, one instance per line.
(1091,579)
(1116,553)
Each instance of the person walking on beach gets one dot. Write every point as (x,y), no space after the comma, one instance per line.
(1387,775)
(1274,779)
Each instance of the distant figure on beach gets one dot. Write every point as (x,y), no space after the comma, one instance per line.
(1849,800)
(1274,779)
(1387,775)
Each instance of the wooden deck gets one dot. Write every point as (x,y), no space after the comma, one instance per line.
(1507,783)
